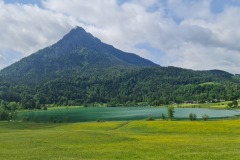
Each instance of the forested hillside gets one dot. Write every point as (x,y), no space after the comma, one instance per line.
(151,85)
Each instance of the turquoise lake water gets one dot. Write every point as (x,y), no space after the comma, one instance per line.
(120,113)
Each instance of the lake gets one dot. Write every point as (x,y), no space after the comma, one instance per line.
(118,113)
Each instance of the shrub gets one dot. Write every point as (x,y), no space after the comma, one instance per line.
(163,117)
(99,120)
(192,116)
(170,111)
(150,119)
(4,115)
(205,117)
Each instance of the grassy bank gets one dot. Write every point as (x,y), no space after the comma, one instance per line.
(218,105)
(121,140)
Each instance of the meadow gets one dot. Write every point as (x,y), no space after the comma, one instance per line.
(162,140)
(218,105)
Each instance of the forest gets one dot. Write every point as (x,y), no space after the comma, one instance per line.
(143,86)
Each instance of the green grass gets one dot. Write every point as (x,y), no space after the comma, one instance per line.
(218,105)
(64,107)
(162,140)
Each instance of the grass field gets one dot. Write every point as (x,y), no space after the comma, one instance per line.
(218,105)
(162,140)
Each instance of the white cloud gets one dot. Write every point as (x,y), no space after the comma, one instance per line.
(185,32)
(123,26)
(28,28)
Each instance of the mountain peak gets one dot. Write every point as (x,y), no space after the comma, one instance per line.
(78,38)
(76,51)
(78,31)
(78,28)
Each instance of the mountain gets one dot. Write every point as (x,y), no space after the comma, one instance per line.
(76,52)
(81,70)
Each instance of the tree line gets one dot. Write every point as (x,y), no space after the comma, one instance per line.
(128,87)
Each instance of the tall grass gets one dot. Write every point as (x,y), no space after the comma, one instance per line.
(121,140)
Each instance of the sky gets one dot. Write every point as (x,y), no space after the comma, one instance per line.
(192,34)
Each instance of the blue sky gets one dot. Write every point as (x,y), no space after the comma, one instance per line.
(33,2)
(217,6)
(194,34)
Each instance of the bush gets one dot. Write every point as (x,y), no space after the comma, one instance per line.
(150,119)
(163,117)
(205,117)
(4,115)
(170,111)
(192,116)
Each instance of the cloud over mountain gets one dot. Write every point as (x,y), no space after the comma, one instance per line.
(186,33)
